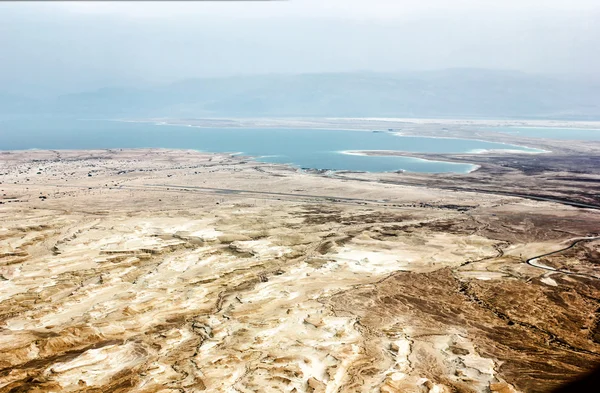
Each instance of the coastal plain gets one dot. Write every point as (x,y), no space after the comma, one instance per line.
(150,270)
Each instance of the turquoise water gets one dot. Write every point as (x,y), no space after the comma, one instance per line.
(305,148)
(574,134)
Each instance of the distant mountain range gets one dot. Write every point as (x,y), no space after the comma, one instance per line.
(471,93)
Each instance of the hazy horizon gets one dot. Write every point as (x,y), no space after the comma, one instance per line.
(57,48)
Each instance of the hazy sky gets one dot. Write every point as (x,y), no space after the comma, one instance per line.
(49,48)
(361,9)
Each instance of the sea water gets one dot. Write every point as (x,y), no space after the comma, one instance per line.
(304,148)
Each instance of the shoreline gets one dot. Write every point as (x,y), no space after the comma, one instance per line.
(341,128)
(308,123)
(256,159)
(399,134)
(551,128)
(482,122)
(364,153)
(282,127)
(539,151)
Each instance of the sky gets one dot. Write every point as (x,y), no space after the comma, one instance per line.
(52,48)
(357,9)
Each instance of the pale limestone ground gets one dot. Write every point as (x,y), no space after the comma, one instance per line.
(143,277)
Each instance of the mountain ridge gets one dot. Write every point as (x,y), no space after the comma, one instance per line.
(451,92)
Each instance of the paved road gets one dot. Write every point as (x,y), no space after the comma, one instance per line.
(350,200)
(532,261)
(493,192)
(283,194)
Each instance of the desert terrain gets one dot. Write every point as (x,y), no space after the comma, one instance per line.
(180,271)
